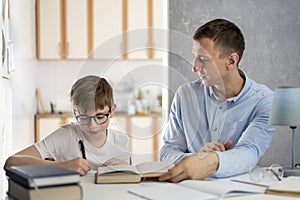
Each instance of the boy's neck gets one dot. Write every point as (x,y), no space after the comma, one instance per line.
(97,140)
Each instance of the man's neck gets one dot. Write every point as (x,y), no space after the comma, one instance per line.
(232,86)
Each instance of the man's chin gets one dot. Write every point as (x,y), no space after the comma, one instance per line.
(205,81)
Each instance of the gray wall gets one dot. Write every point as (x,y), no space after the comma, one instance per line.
(272,56)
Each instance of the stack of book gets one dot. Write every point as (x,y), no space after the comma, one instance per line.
(43,182)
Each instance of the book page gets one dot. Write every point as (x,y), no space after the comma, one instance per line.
(153,167)
(224,187)
(117,168)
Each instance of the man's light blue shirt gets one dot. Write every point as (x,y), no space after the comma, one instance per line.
(197,116)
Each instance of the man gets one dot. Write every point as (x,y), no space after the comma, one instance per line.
(218,125)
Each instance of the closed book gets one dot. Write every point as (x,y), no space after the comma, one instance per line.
(31,176)
(64,192)
(289,186)
(131,174)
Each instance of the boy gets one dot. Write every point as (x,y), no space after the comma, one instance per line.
(86,144)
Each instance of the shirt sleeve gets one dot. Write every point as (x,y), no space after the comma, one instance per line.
(252,144)
(175,144)
(54,144)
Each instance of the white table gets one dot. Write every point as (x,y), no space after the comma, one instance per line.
(93,191)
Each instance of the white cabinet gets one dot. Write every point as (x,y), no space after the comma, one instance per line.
(98,29)
(62,29)
(107,29)
(159,35)
(49,29)
(137,29)
(47,123)
(76,29)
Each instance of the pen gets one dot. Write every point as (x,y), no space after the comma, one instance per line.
(250,183)
(82,149)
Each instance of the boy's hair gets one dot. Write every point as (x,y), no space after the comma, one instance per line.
(91,93)
(225,34)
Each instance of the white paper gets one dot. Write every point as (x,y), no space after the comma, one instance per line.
(170,191)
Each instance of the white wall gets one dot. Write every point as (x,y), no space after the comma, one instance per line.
(23,80)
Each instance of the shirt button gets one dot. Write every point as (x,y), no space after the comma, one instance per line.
(215,129)
(221,107)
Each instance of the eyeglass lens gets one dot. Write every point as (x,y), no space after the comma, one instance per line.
(273,173)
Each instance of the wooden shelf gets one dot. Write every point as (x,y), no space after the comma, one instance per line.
(63,120)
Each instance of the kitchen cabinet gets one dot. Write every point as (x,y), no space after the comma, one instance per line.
(49,30)
(98,29)
(46,123)
(138,43)
(107,29)
(76,29)
(62,31)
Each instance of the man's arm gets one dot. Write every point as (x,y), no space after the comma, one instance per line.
(175,144)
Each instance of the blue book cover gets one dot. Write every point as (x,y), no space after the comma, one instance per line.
(31,176)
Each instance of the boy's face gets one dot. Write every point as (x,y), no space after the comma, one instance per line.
(95,122)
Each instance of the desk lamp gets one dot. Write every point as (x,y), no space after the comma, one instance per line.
(286,112)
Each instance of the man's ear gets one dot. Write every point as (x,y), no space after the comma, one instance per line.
(232,61)
(112,110)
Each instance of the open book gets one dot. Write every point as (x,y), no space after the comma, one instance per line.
(196,190)
(131,173)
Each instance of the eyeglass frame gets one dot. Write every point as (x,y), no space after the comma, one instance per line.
(94,117)
(269,171)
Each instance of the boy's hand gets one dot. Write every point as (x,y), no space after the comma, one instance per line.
(114,161)
(80,165)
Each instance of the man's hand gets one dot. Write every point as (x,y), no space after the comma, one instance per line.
(192,167)
(80,165)
(114,161)
(197,166)
(216,146)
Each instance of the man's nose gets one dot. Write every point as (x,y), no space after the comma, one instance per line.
(197,66)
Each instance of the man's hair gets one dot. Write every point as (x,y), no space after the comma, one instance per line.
(227,37)
(91,92)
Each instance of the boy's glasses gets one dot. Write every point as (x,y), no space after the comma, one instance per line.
(99,118)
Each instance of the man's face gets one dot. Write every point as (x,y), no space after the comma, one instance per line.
(207,63)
